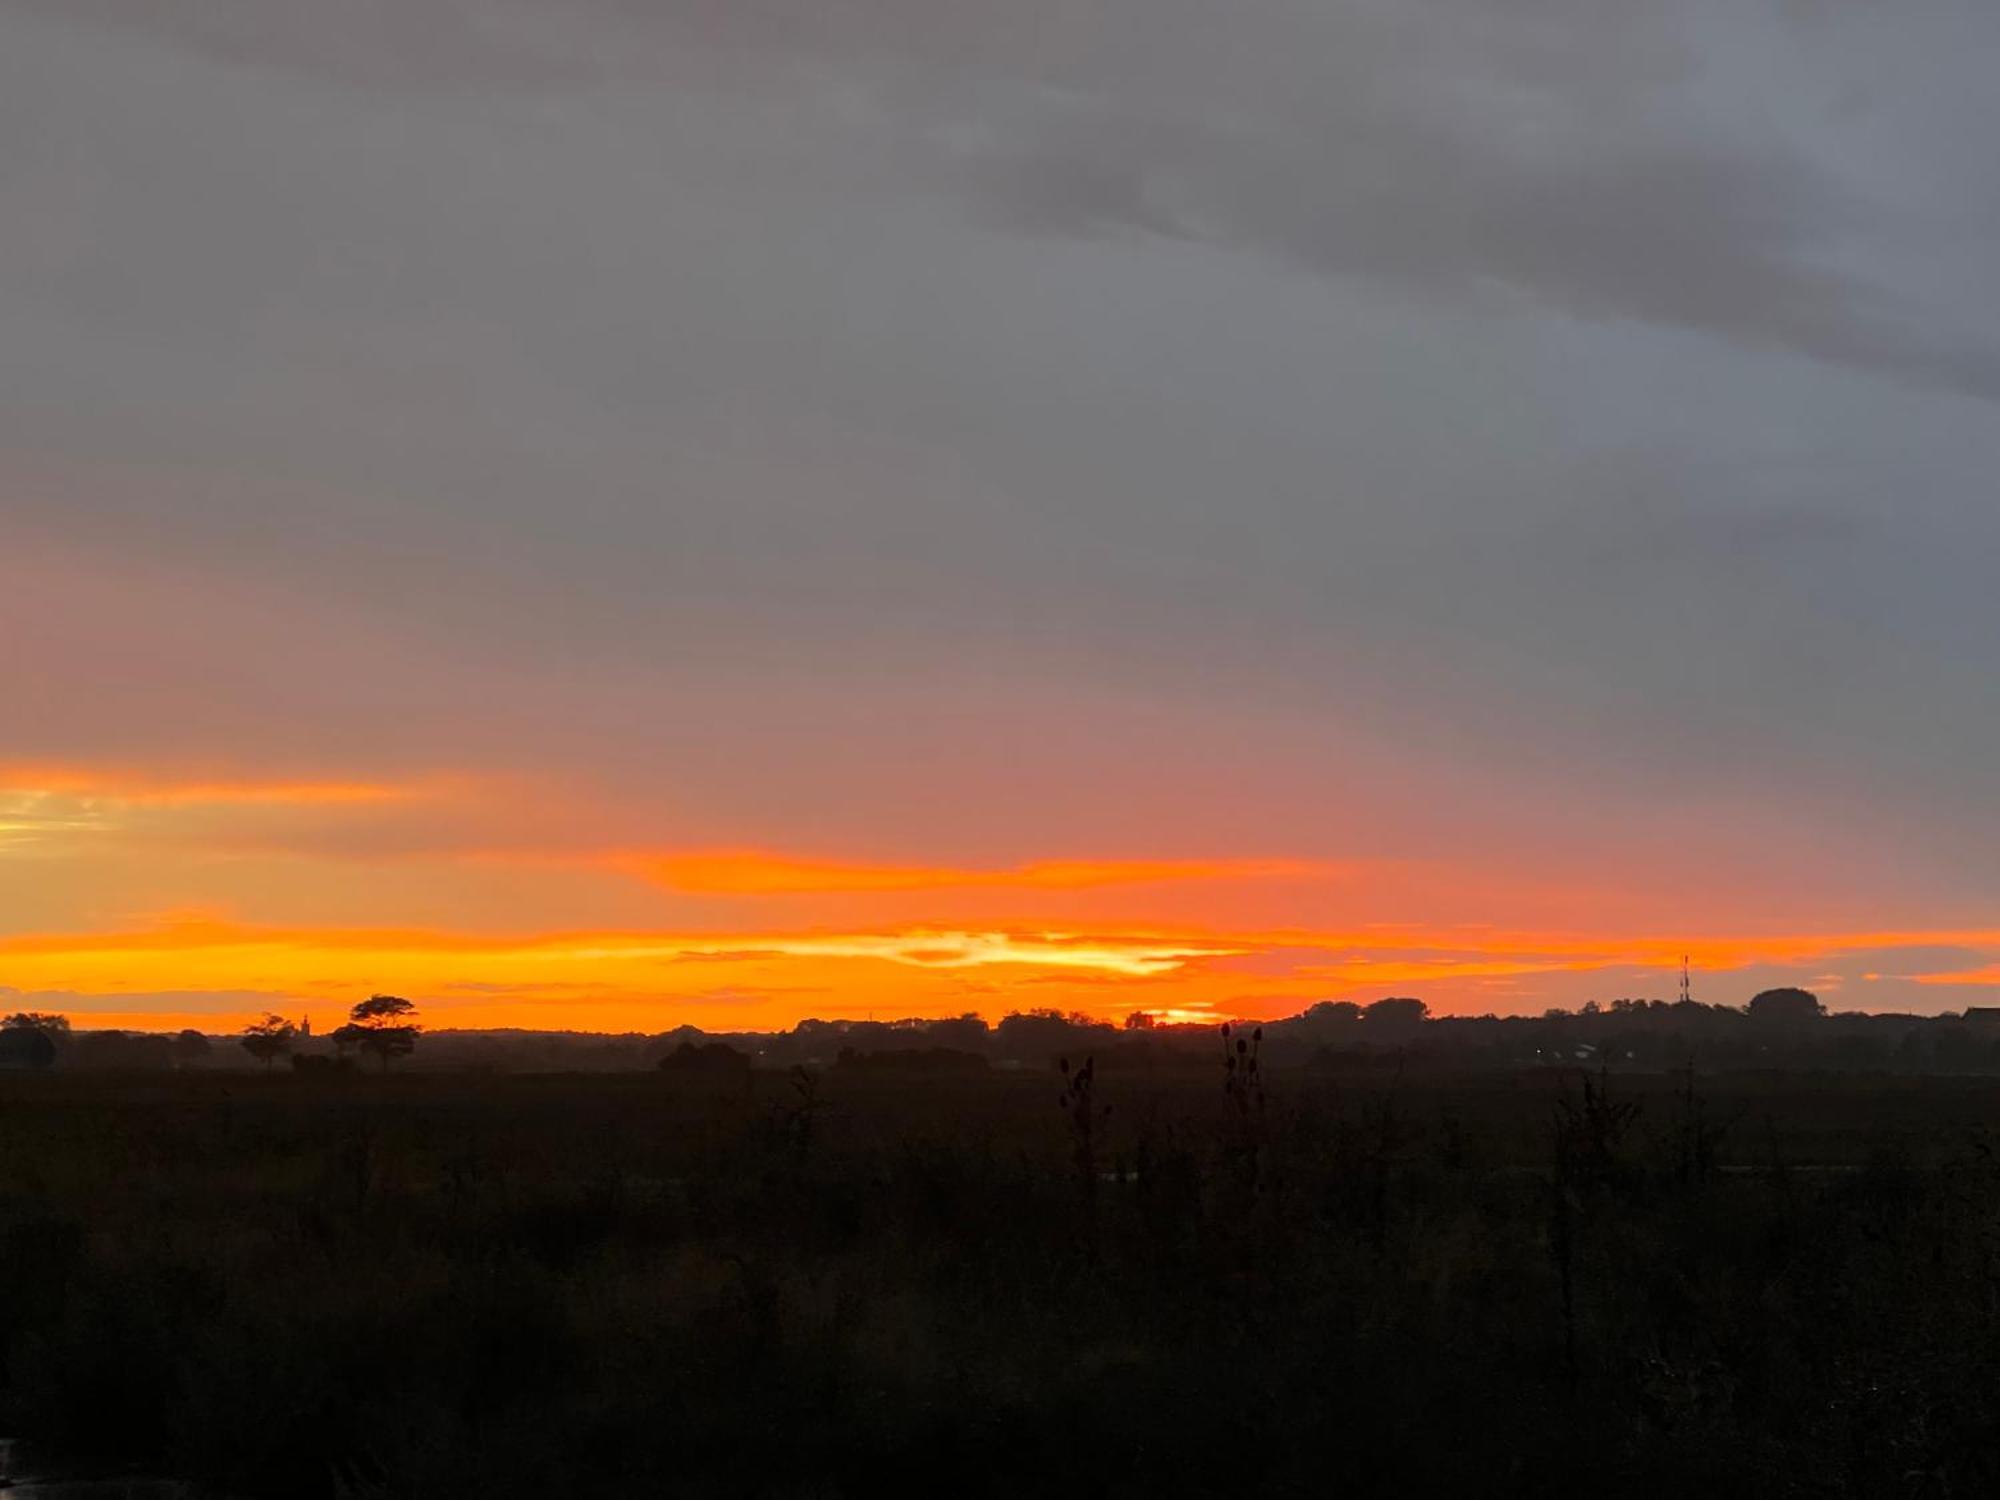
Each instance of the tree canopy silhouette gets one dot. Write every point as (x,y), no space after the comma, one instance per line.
(1398,1015)
(382,1025)
(190,1048)
(269,1039)
(35,1020)
(1787,1004)
(1329,1019)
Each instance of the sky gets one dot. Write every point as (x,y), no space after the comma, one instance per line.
(632,513)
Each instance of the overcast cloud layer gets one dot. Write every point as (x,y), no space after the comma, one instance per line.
(1537,431)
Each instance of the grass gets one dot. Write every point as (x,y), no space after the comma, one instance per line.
(604,1285)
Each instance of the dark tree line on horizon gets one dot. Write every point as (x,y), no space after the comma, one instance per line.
(1778,1027)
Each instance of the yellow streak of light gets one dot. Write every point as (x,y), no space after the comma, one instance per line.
(77,784)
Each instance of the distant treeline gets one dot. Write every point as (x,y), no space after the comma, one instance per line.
(1788,1028)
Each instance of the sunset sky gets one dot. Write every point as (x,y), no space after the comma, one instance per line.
(623,513)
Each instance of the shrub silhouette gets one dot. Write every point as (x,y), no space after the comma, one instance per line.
(1085,1117)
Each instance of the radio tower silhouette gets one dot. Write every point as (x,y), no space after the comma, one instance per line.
(1687,994)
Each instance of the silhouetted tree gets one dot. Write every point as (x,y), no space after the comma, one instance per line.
(1047,1033)
(968,1032)
(1329,1020)
(1335,1012)
(269,1039)
(36,1020)
(1787,1005)
(1397,1016)
(190,1049)
(385,1025)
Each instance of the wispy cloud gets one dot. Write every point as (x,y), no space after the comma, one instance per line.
(91,786)
(1985,976)
(756,873)
(58,809)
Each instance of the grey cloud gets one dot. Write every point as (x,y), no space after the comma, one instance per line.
(556,365)
(1721,238)
(1544,150)
(421,43)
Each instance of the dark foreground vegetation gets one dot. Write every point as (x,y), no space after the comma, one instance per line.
(1540,1282)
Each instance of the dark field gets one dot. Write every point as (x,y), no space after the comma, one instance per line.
(613,1284)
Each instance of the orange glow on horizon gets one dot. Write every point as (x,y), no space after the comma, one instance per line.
(752,980)
(519,910)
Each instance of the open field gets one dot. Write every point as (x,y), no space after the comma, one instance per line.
(613,1284)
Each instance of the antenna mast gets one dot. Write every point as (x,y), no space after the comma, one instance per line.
(1687,995)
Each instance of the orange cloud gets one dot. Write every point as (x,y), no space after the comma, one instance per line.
(757,873)
(1569,950)
(1989,975)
